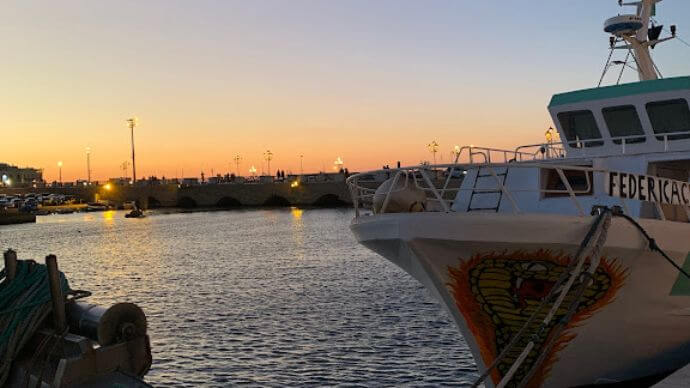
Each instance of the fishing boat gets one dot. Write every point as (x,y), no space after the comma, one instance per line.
(563,263)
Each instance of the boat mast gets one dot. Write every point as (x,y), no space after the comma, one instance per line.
(639,34)
(640,44)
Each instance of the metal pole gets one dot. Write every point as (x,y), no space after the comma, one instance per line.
(10,264)
(88,167)
(56,295)
(134,166)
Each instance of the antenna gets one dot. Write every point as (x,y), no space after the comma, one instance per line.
(636,33)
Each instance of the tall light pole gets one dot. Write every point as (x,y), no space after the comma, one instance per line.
(433,148)
(301,169)
(88,165)
(131,123)
(456,152)
(59,164)
(237,160)
(125,165)
(268,155)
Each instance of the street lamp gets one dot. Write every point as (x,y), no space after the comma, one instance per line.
(131,123)
(433,148)
(252,171)
(125,165)
(88,165)
(59,164)
(268,155)
(301,169)
(338,164)
(237,160)
(456,152)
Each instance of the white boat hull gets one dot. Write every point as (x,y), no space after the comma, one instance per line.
(491,270)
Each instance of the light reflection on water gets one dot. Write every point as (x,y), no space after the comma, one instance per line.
(264,297)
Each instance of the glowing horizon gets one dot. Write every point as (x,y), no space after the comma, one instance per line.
(371,83)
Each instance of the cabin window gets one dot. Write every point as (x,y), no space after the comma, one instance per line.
(579,128)
(580,181)
(668,117)
(623,121)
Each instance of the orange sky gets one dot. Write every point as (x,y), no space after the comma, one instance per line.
(371,83)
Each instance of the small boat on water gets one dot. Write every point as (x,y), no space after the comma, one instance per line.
(563,263)
(135,213)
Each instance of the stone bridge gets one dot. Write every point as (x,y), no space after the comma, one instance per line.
(210,195)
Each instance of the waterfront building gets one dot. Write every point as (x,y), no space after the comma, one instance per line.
(20,176)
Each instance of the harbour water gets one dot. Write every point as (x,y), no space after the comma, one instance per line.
(278,297)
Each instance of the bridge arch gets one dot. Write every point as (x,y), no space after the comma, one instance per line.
(329,200)
(186,203)
(228,202)
(276,200)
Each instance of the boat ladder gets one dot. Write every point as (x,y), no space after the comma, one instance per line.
(487,191)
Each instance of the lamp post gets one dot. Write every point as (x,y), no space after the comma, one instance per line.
(456,153)
(433,148)
(59,164)
(338,164)
(301,168)
(237,160)
(268,155)
(131,123)
(88,165)
(124,167)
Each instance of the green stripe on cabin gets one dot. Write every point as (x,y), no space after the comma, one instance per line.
(604,92)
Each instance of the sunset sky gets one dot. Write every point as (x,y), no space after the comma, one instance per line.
(370,81)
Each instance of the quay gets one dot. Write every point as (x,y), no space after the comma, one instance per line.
(150,195)
(14,217)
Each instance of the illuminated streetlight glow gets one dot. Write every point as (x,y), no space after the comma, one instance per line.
(338,164)
(108,186)
(237,160)
(252,171)
(268,155)
(433,148)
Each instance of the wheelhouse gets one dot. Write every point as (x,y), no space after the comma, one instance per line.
(641,117)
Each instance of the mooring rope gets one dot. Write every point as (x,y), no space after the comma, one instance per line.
(24,305)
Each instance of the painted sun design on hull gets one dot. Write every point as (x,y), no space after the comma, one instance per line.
(497,293)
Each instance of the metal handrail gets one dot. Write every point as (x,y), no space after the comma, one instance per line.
(437,194)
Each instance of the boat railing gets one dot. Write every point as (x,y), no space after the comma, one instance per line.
(442,183)
(622,144)
(475,154)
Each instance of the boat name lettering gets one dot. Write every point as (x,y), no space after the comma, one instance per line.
(647,188)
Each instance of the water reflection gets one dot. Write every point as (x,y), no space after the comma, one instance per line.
(281,297)
(108,215)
